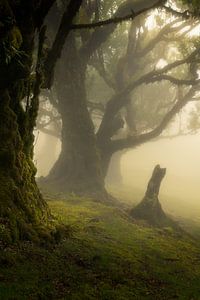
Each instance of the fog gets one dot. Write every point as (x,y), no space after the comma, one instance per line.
(47,149)
(159,103)
(180,189)
(99,149)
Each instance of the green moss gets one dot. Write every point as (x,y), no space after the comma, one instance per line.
(23,211)
(108,257)
(15,37)
(5,234)
(22,207)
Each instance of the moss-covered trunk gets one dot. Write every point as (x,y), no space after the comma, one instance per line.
(22,210)
(78,167)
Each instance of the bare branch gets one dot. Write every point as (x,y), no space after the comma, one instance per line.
(100,35)
(115,20)
(63,31)
(164,32)
(184,14)
(174,80)
(134,141)
(119,100)
(42,11)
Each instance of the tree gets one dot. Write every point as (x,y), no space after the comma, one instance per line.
(149,209)
(145,108)
(85,156)
(23,211)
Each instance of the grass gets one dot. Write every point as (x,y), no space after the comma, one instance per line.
(109,256)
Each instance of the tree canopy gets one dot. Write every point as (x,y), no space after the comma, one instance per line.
(130,64)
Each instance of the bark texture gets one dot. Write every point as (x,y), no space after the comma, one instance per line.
(149,209)
(23,212)
(78,167)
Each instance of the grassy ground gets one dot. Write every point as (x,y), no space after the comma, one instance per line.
(108,256)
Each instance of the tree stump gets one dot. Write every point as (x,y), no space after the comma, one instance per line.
(149,209)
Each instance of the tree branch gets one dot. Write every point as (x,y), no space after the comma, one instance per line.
(100,35)
(58,44)
(134,141)
(185,14)
(119,100)
(42,11)
(115,20)
(161,36)
(174,80)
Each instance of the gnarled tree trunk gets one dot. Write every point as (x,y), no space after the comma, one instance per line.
(23,212)
(78,168)
(149,209)
(22,209)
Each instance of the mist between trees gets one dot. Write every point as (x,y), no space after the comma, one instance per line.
(103,78)
(99,149)
(115,88)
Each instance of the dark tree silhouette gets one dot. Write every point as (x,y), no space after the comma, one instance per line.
(23,212)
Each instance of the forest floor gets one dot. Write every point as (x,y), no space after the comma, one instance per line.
(107,256)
